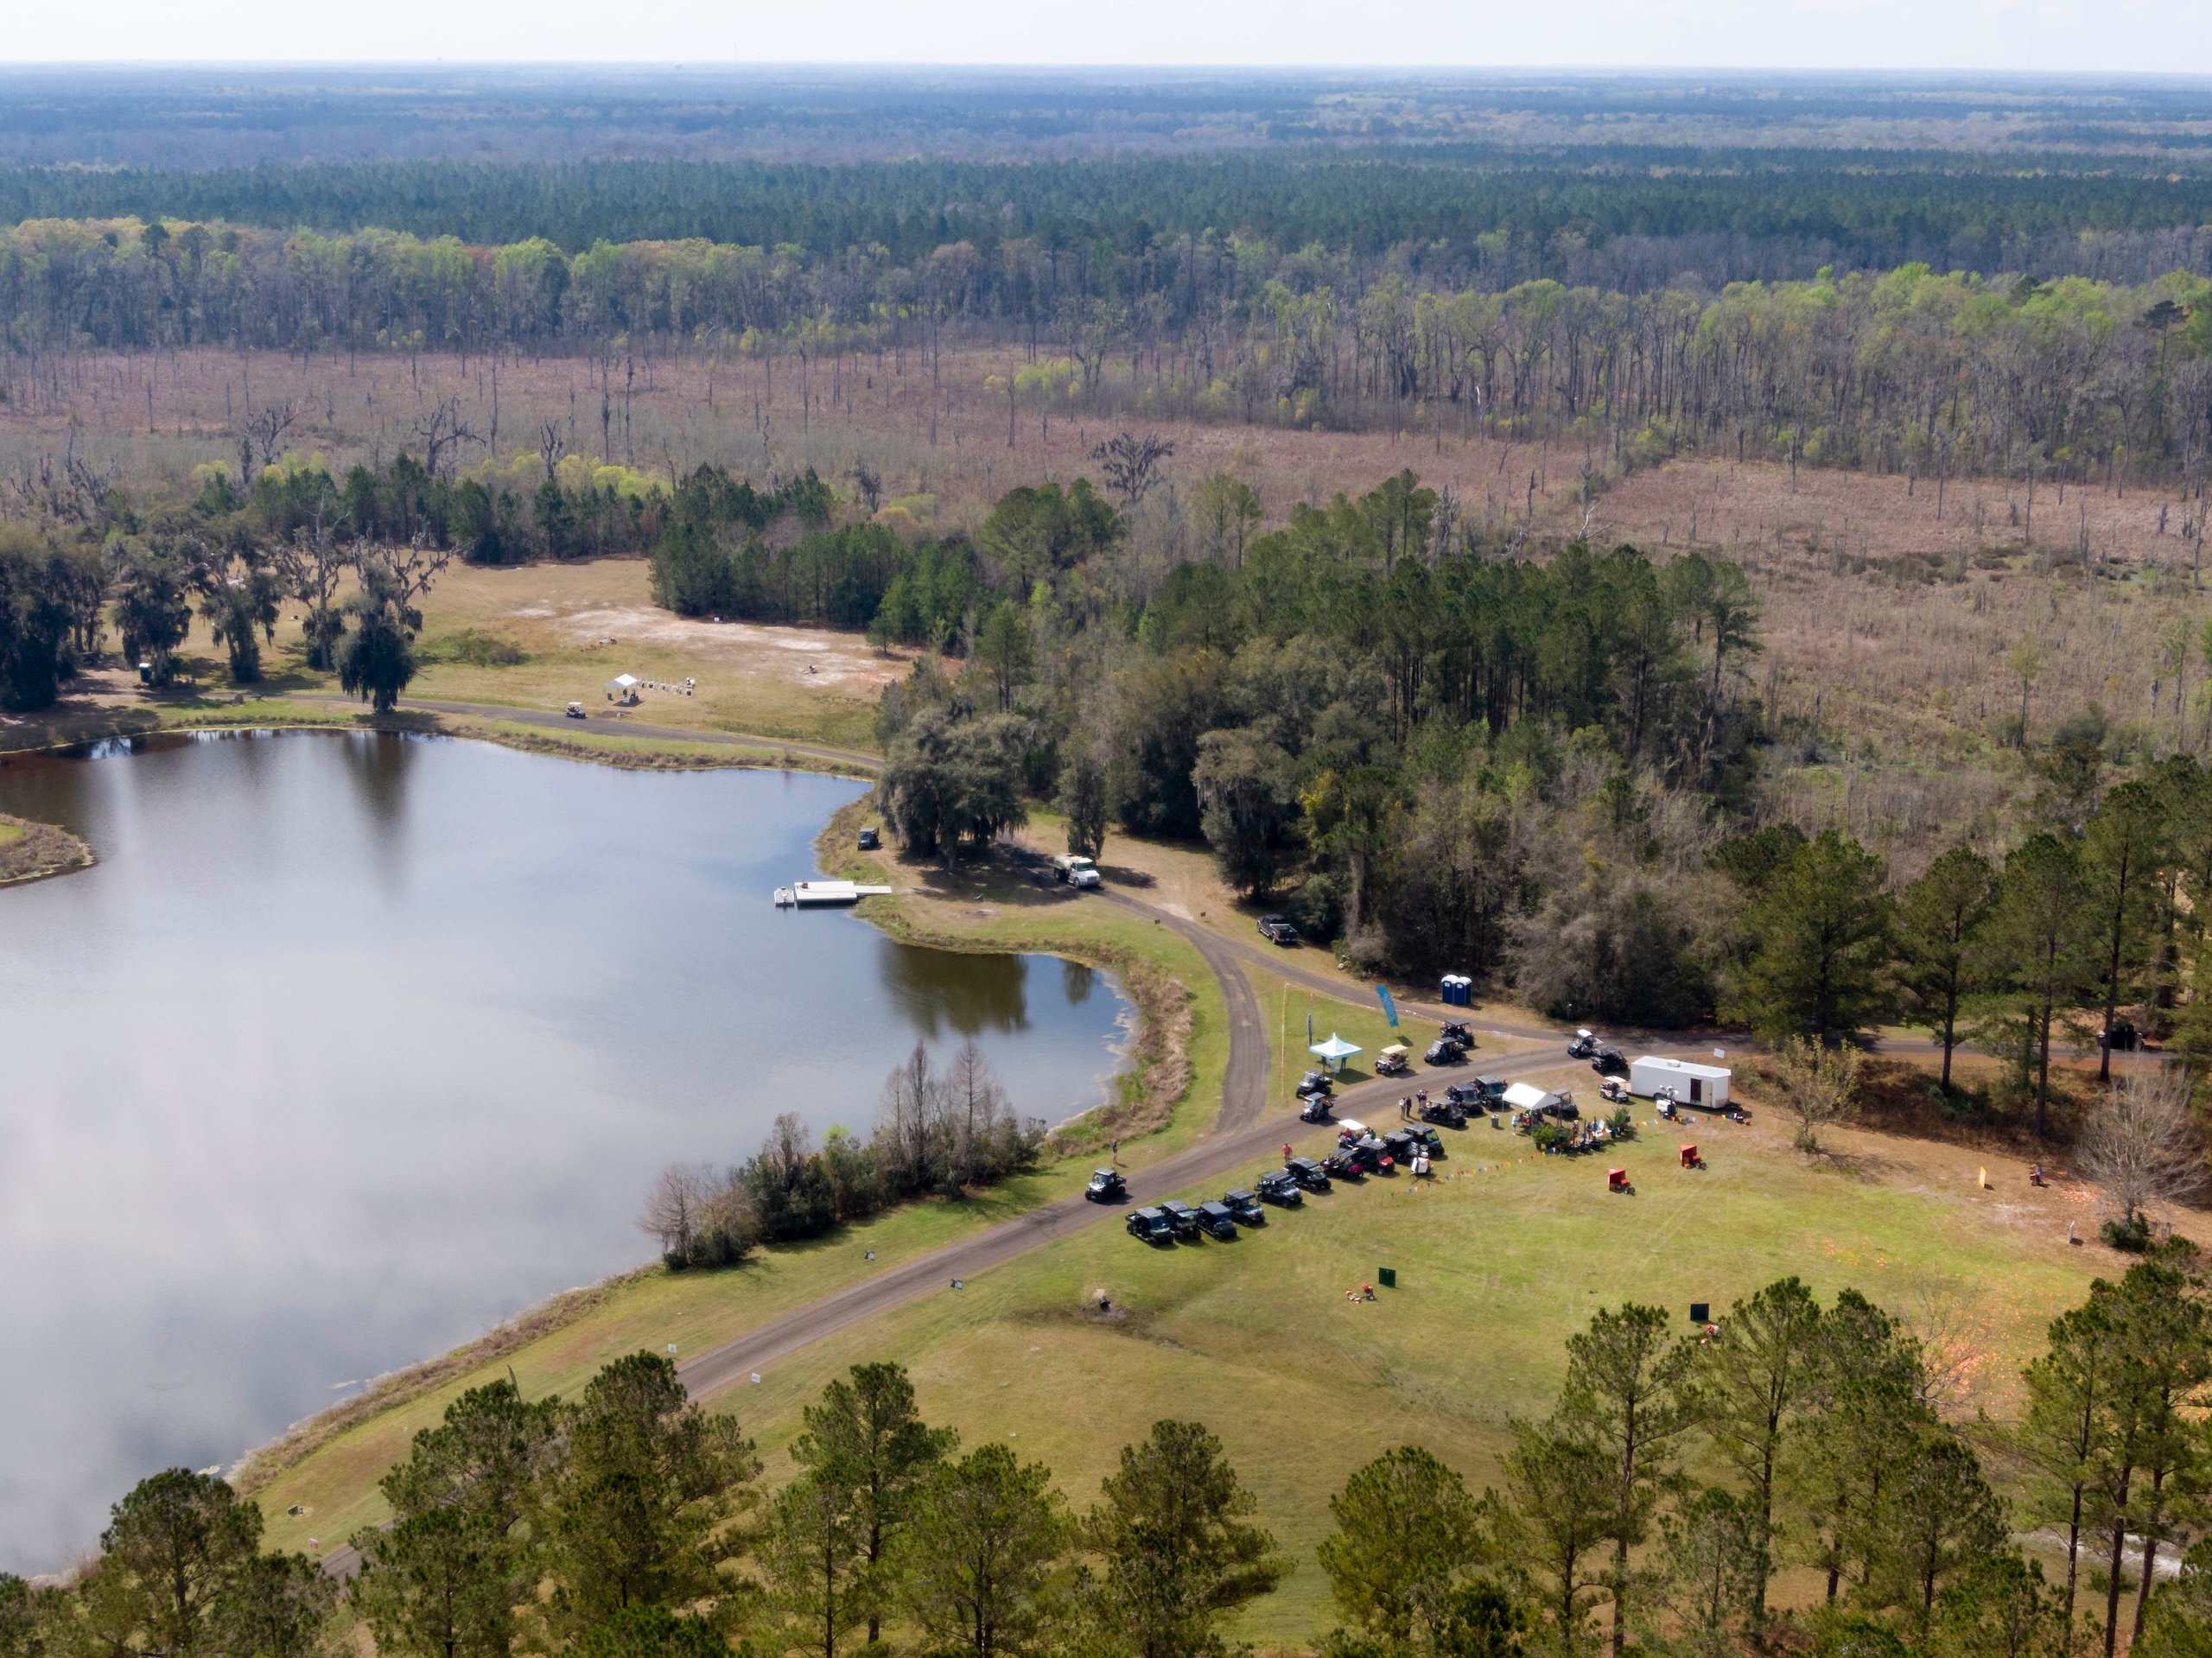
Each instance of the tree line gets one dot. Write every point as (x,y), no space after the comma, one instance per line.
(1656,1505)
(2037,377)
(939,1134)
(1606,212)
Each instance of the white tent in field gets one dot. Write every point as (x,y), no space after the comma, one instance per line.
(624,683)
(1335,1051)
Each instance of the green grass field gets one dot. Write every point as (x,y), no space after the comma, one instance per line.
(1498,1261)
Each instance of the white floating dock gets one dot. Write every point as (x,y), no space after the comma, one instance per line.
(805,893)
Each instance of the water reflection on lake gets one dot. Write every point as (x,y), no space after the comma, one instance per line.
(352,1045)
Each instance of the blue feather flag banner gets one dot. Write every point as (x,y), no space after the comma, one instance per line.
(1390,1007)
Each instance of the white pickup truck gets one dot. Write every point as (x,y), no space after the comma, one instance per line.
(1076,871)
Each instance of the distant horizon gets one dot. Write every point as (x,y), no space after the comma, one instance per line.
(1295,71)
(2065,38)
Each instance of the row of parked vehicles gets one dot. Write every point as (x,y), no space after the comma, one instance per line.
(1221,1218)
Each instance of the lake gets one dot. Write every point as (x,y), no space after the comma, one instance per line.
(352,1046)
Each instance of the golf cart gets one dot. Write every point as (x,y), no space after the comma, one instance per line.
(1582,1045)
(1151,1226)
(1278,929)
(1245,1207)
(1394,1061)
(1217,1221)
(1609,1062)
(1616,1091)
(1449,1112)
(1107,1186)
(1309,1175)
(575,711)
(1280,1186)
(1182,1217)
(1315,1109)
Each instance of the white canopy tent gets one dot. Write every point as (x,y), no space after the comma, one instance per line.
(624,683)
(1335,1051)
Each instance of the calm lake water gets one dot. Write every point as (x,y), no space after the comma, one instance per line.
(352,1046)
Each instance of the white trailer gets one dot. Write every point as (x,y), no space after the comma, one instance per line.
(1705,1086)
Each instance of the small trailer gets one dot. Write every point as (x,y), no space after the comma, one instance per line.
(1703,1086)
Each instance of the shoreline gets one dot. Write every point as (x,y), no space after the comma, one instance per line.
(31,850)
(1155,1074)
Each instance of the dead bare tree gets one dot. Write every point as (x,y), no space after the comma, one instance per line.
(1130,464)
(443,431)
(263,432)
(551,446)
(674,1209)
(2142,1146)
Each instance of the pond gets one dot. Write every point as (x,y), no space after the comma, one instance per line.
(352,1046)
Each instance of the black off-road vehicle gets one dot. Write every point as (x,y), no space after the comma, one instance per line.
(1280,1186)
(1184,1218)
(1245,1206)
(1217,1221)
(1152,1225)
(1106,1186)
(1310,1175)
(1278,929)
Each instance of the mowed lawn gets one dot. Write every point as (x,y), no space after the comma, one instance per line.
(1498,1261)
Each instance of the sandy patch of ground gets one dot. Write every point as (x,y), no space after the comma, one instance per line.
(814,656)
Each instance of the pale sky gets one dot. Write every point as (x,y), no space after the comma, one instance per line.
(2099,36)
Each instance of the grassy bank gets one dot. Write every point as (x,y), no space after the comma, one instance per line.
(32,851)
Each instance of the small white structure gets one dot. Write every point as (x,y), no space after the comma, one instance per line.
(1527,1097)
(1693,1084)
(1334,1051)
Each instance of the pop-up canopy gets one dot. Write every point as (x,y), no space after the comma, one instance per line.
(1335,1051)
(624,683)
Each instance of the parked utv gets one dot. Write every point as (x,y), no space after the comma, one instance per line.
(1183,1217)
(1448,1112)
(1608,1062)
(1280,1186)
(1310,1175)
(1151,1225)
(1245,1207)
(871,840)
(1215,1221)
(1457,1031)
(1475,1095)
(1444,1051)
(1426,1139)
